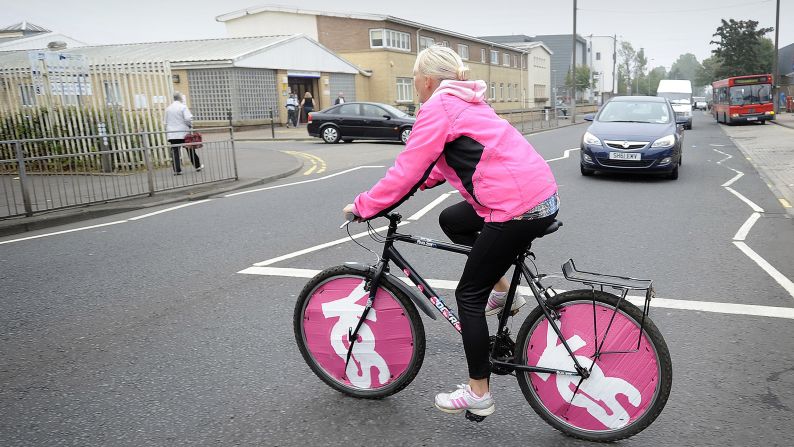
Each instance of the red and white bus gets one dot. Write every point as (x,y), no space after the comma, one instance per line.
(743,99)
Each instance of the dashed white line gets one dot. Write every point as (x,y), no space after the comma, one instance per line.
(168,209)
(744,199)
(565,155)
(768,268)
(62,232)
(301,182)
(745,229)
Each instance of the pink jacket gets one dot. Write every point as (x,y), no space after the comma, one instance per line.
(458,137)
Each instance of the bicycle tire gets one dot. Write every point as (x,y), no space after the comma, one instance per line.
(629,390)
(321,322)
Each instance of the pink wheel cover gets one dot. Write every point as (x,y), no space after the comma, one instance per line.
(621,386)
(385,344)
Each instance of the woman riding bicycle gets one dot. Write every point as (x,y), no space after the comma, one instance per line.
(510,198)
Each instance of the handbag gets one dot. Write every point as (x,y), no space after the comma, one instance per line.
(193,140)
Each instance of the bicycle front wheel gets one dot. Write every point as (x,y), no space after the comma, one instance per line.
(628,384)
(390,345)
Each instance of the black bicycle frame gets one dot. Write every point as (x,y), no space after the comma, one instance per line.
(391,254)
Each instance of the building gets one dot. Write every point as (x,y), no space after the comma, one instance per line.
(27,36)
(386,47)
(560,47)
(785,69)
(248,77)
(603,62)
(539,83)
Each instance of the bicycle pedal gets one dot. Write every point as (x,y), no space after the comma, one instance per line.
(514,312)
(474,417)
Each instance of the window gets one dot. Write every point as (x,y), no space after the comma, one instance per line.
(112,93)
(493,91)
(506,59)
(445,43)
(515,61)
(386,38)
(28,94)
(463,51)
(494,57)
(523,62)
(515,89)
(540,91)
(426,42)
(405,90)
(372,111)
(598,56)
(501,92)
(509,92)
(482,55)
(348,109)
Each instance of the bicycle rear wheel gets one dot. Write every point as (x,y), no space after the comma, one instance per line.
(391,342)
(628,386)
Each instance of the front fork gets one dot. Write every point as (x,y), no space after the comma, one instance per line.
(352,334)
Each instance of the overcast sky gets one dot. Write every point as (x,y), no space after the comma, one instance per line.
(665,29)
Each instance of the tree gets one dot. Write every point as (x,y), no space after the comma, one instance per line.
(686,67)
(740,47)
(627,57)
(583,79)
(708,71)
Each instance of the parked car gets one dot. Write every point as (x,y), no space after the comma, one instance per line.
(634,134)
(360,120)
(561,107)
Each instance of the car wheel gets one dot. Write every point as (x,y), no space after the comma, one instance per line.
(586,172)
(330,135)
(404,134)
(673,174)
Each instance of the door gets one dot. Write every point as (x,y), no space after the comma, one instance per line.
(301,85)
(351,123)
(376,123)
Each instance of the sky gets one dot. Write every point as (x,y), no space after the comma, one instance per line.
(664,29)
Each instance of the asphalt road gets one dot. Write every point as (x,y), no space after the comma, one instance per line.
(142,332)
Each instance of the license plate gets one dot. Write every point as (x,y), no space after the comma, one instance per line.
(624,156)
(752,118)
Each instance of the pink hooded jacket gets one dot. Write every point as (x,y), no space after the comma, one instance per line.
(458,137)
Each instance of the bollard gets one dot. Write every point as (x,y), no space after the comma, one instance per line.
(147,160)
(105,158)
(272,125)
(234,151)
(23,179)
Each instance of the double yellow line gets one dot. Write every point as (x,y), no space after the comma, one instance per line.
(317,163)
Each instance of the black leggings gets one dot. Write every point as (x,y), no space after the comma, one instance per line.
(495,246)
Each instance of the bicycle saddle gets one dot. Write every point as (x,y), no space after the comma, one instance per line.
(551,228)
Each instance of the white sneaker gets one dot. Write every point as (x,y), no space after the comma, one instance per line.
(464,399)
(200,168)
(496,302)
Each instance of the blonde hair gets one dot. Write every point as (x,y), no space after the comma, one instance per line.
(441,63)
(307,95)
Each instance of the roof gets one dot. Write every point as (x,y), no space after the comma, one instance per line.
(25,26)
(204,50)
(521,44)
(359,16)
(205,53)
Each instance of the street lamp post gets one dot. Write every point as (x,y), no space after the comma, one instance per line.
(649,75)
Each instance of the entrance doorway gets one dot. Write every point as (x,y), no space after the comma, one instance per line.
(301,85)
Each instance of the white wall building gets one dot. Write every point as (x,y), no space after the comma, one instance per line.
(602,62)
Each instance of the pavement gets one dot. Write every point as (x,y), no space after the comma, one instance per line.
(258,167)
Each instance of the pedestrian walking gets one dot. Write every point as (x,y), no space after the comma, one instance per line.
(340,99)
(178,123)
(292,110)
(307,105)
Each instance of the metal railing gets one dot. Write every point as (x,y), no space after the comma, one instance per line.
(35,177)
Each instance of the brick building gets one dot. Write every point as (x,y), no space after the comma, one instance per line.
(386,47)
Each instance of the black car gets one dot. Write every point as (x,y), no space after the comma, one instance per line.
(360,120)
(633,133)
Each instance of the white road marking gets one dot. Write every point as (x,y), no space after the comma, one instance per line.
(565,155)
(320,247)
(768,268)
(744,199)
(62,232)
(739,175)
(666,303)
(745,229)
(168,209)
(301,182)
(429,206)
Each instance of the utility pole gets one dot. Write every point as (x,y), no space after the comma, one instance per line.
(573,67)
(775,80)
(614,64)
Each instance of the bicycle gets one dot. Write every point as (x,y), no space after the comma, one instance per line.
(603,388)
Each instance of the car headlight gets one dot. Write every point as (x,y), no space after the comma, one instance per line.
(591,139)
(664,141)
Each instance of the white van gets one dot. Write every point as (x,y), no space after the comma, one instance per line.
(679,93)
